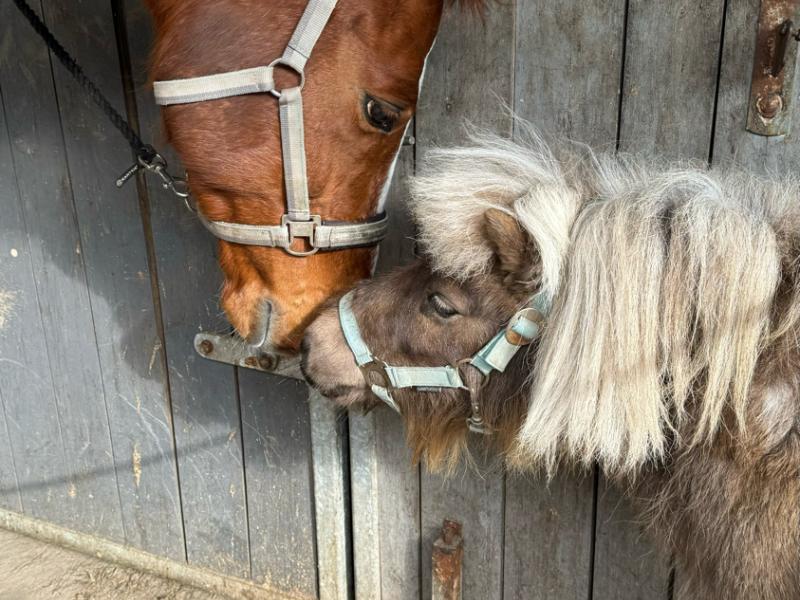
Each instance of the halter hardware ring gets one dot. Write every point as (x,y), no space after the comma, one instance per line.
(280,62)
(378,369)
(468,362)
(301,230)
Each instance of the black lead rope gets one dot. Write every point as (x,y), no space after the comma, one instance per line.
(147,157)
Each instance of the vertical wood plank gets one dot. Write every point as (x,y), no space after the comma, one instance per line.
(28,448)
(670,77)
(469,75)
(386,534)
(667,109)
(277,449)
(568,70)
(92,501)
(329,443)
(115,257)
(204,396)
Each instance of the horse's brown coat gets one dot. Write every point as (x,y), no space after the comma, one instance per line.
(231,147)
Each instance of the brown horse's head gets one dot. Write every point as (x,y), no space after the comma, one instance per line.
(361,90)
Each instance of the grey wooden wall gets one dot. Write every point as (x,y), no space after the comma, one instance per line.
(111,425)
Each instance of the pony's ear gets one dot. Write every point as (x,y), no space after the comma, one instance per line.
(514,250)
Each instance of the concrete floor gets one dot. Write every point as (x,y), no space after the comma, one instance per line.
(34,570)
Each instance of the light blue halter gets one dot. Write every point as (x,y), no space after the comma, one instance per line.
(524,327)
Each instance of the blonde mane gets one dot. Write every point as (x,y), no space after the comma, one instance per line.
(664,280)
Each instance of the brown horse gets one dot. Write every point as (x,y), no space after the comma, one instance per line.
(360,92)
(670,354)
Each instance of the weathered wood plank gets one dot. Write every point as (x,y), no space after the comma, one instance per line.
(568,69)
(25,379)
(204,400)
(548,537)
(329,444)
(386,524)
(115,257)
(92,502)
(277,451)
(469,75)
(667,110)
(670,77)
(568,66)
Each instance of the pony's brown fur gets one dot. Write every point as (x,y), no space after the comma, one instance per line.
(717,478)
(231,147)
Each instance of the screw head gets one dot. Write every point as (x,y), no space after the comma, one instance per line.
(206,347)
(251,361)
(267,361)
(770,105)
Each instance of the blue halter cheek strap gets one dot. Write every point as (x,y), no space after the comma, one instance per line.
(524,327)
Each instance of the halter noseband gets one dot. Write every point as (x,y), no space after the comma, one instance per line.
(298,222)
(524,327)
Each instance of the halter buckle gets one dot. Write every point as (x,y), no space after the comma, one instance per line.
(301,230)
(531,314)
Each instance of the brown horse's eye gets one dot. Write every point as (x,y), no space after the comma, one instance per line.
(441,306)
(380,115)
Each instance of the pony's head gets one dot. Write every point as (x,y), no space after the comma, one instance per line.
(665,287)
(361,88)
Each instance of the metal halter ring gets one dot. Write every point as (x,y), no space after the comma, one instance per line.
(376,369)
(282,63)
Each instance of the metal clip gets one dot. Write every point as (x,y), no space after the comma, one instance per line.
(157,164)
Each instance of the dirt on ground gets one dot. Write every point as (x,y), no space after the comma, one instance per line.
(34,570)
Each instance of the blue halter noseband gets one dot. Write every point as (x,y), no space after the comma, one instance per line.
(524,327)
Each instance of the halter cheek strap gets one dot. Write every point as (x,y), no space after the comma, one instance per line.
(522,329)
(298,222)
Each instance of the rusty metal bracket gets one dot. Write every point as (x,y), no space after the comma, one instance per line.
(233,350)
(774,65)
(448,555)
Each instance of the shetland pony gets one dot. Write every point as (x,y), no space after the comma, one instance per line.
(670,356)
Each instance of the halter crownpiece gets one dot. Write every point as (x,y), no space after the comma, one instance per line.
(524,327)
(298,222)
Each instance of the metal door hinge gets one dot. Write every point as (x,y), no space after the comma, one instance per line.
(774,65)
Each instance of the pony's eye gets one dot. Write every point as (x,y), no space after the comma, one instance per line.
(380,115)
(441,306)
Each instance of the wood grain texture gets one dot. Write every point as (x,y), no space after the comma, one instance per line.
(469,76)
(92,501)
(204,396)
(276,432)
(115,257)
(568,68)
(670,77)
(330,446)
(30,448)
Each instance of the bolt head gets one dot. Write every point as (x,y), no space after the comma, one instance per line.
(206,347)
(251,361)
(770,105)
(267,361)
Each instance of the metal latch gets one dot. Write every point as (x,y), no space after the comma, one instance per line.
(771,89)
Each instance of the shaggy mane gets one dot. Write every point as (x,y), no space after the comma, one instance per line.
(668,282)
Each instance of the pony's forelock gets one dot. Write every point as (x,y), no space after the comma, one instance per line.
(458,185)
